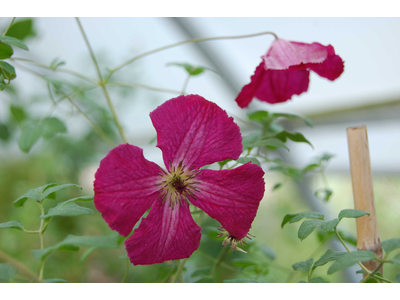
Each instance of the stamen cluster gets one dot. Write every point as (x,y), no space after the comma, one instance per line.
(178,184)
(232,240)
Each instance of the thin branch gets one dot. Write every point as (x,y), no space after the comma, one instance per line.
(8,27)
(147,87)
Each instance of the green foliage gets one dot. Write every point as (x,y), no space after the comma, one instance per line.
(318,280)
(292,218)
(240,280)
(348,259)
(13,41)
(55,280)
(307,227)
(52,126)
(330,225)
(67,209)
(18,113)
(397,279)
(6,51)
(324,194)
(243,263)
(396,259)
(201,272)
(305,265)
(12,224)
(72,243)
(244,160)
(265,118)
(7,272)
(40,193)
(352,213)
(7,71)
(390,245)
(295,137)
(4,132)
(191,70)
(29,136)
(328,256)
(267,251)
(21,29)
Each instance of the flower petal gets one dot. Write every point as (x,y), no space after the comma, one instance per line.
(280,85)
(231,196)
(284,54)
(195,131)
(248,91)
(165,234)
(331,68)
(125,187)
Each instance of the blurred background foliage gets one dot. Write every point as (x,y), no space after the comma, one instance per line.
(62,156)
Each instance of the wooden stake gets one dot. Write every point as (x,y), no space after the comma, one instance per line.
(360,167)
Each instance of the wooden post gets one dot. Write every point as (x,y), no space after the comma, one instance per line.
(360,167)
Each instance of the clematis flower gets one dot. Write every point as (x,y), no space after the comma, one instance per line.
(285,71)
(191,132)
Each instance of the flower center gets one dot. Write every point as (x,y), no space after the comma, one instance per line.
(178,184)
(230,239)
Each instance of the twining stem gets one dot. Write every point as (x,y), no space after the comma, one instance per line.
(185,84)
(41,232)
(9,25)
(222,254)
(187,42)
(102,84)
(180,270)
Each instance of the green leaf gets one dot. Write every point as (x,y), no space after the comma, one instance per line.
(390,245)
(193,71)
(6,51)
(7,70)
(51,192)
(396,259)
(330,225)
(21,29)
(4,132)
(224,162)
(325,157)
(12,224)
(52,126)
(243,263)
(244,160)
(7,272)
(18,113)
(277,186)
(82,198)
(397,279)
(305,265)
(67,209)
(306,120)
(352,213)
(34,194)
(328,256)
(292,218)
(204,279)
(272,143)
(240,280)
(295,137)
(87,252)
(201,272)
(260,116)
(29,136)
(349,259)
(311,167)
(324,194)
(13,41)
(269,252)
(307,227)
(55,280)
(57,63)
(72,243)
(318,280)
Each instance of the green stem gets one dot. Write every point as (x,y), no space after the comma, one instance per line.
(41,232)
(70,72)
(185,84)
(187,42)
(136,85)
(222,254)
(9,25)
(102,84)
(126,271)
(20,266)
(180,270)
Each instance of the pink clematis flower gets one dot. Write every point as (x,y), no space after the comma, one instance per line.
(191,132)
(285,71)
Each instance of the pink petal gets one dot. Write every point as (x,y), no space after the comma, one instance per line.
(231,196)
(165,234)
(331,68)
(195,131)
(284,54)
(280,85)
(248,91)
(125,187)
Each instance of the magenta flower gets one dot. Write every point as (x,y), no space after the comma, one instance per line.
(191,132)
(285,71)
